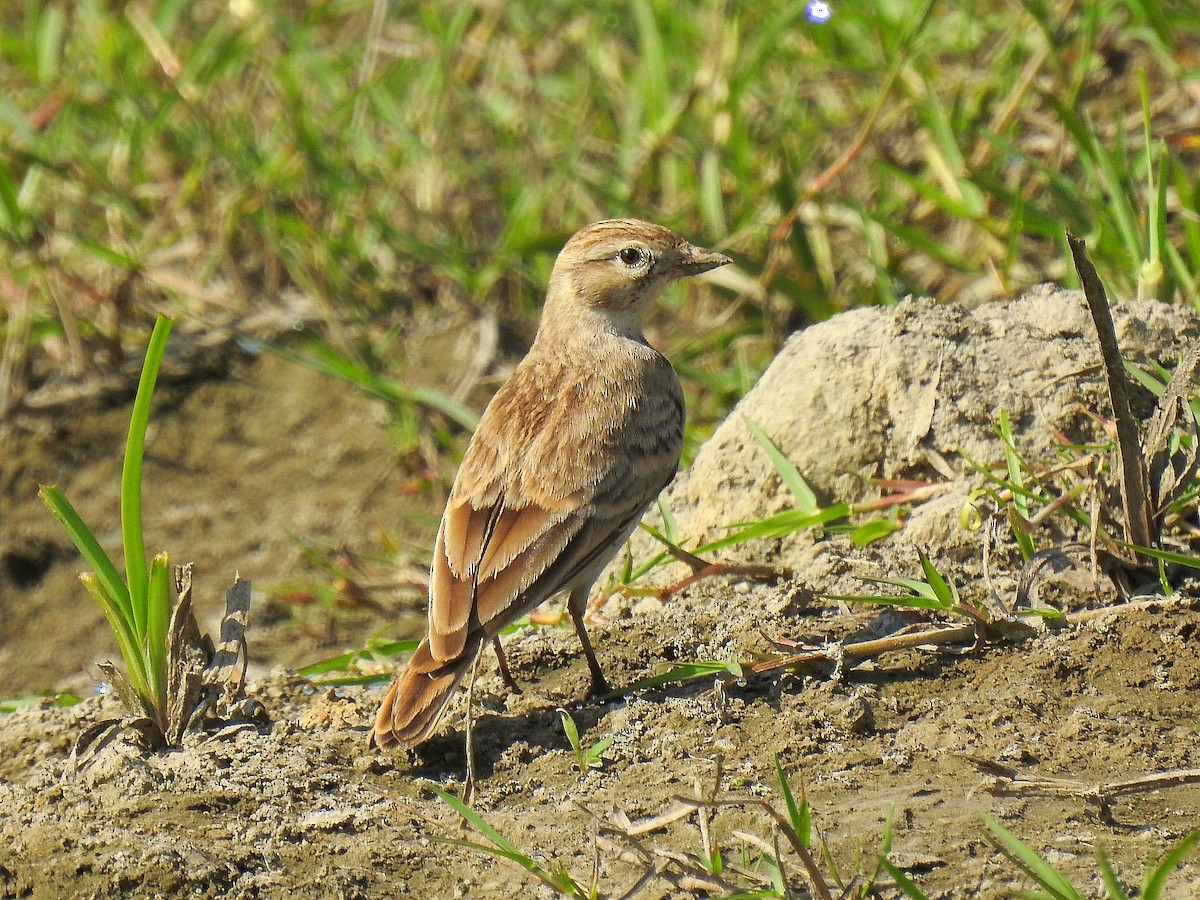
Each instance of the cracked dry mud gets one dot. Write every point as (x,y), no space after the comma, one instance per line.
(304,809)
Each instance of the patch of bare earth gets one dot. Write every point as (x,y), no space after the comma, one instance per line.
(303,809)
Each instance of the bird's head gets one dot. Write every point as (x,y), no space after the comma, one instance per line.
(616,267)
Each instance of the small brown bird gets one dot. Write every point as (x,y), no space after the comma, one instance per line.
(567,457)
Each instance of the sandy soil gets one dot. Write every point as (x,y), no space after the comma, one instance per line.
(303,809)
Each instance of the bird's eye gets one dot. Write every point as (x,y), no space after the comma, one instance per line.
(632,256)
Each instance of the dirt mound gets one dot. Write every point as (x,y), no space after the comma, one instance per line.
(899,392)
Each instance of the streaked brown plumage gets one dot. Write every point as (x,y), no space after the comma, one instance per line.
(567,457)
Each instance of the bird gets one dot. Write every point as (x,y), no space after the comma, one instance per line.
(568,455)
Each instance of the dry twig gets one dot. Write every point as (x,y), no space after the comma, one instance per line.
(1007,781)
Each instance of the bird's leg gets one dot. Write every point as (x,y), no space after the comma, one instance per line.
(577,606)
(505,674)
(469,783)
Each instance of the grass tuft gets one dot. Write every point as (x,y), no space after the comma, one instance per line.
(138,607)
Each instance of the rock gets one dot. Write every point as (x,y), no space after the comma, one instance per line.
(890,392)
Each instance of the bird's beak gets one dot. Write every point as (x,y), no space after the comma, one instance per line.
(694,260)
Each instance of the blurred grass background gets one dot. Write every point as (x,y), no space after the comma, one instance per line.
(378,159)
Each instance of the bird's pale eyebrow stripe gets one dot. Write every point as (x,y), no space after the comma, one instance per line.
(619,228)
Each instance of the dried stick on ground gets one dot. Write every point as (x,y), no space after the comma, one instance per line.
(839,652)
(1008,781)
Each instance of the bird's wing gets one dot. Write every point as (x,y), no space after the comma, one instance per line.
(493,564)
(483,559)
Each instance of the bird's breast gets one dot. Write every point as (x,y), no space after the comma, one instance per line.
(562,426)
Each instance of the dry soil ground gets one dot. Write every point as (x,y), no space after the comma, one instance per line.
(304,809)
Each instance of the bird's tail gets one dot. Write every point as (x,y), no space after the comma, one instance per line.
(415,701)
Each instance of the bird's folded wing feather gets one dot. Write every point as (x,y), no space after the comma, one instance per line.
(488,558)
(483,559)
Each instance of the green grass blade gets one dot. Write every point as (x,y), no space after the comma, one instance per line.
(158,599)
(798,813)
(682,673)
(1015,487)
(476,821)
(131,651)
(61,699)
(51,27)
(779,525)
(670,527)
(571,730)
(1167,556)
(653,78)
(136,573)
(966,207)
(874,530)
(884,600)
(12,216)
(1156,877)
(559,881)
(432,398)
(944,593)
(376,679)
(903,881)
(885,847)
(1145,379)
(513,855)
(109,255)
(1012,461)
(1109,877)
(710,200)
(343,661)
(806,500)
(919,588)
(1016,477)
(1152,16)
(1029,862)
(322,358)
(595,753)
(106,573)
